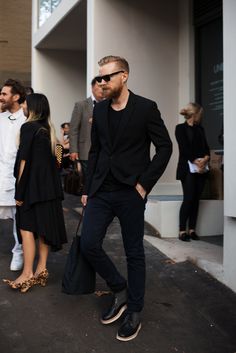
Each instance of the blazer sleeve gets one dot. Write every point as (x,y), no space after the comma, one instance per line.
(27,134)
(75,126)
(93,155)
(159,136)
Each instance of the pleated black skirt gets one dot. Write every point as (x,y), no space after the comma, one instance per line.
(45,220)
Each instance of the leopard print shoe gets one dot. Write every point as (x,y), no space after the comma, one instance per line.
(26,285)
(12,284)
(42,278)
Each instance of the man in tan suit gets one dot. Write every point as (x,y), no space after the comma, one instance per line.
(80,125)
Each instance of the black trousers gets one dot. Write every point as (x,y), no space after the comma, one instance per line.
(129,207)
(192,185)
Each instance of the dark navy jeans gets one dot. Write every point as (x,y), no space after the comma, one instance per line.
(128,206)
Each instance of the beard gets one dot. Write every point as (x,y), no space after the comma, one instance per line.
(6,106)
(110,93)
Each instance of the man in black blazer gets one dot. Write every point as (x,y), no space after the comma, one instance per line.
(120,175)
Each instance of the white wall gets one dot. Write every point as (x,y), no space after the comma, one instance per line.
(147,36)
(61,76)
(229,252)
(186,55)
(229,40)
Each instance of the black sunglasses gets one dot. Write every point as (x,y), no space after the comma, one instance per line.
(107,77)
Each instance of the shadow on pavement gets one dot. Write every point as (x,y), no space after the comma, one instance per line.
(186,310)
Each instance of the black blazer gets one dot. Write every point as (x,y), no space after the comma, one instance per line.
(40,180)
(190,150)
(128,156)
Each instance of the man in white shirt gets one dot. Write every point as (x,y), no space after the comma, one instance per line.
(12,95)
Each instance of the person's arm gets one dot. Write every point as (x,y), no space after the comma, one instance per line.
(74,130)
(21,169)
(202,162)
(159,136)
(27,133)
(92,160)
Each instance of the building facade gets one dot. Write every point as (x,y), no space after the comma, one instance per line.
(165,44)
(15,41)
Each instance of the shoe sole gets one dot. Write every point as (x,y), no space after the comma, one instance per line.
(15,269)
(125,339)
(114,318)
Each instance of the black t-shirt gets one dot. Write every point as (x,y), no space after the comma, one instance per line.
(110,183)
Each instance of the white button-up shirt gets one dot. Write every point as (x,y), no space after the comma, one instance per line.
(10,125)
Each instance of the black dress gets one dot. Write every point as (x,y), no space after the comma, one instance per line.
(192,144)
(39,187)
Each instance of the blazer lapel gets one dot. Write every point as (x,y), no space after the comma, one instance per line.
(125,117)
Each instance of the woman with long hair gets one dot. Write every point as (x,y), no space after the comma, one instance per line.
(38,193)
(194,155)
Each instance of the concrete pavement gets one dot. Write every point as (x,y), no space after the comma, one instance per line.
(186,311)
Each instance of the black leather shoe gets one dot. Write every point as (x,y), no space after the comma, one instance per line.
(194,236)
(184,237)
(118,306)
(130,327)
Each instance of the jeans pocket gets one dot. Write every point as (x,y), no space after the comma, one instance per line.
(140,196)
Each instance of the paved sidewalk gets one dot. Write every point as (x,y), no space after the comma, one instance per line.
(186,311)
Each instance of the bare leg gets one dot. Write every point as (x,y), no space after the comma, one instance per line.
(43,256)
(28,244)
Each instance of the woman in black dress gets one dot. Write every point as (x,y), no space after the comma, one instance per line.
(194,155)
(38,193)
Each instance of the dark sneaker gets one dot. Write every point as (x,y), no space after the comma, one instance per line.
(130,327)
(194,236)
(118,306)
(184,237)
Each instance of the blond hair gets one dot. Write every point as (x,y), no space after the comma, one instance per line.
(121,62)
(192,109)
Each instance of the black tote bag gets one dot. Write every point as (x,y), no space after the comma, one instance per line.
(79,276)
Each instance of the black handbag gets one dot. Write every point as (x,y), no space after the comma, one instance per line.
(73,181)
(79,276)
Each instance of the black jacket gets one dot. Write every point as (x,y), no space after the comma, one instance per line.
(190,150)
(40,180)
(128,156)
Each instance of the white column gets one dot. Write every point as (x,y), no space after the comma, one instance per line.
(90,44)
(229,40)
(186,54)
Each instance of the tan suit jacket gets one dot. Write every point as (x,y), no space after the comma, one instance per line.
(80,128)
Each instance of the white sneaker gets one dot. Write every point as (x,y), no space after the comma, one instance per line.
(16,262)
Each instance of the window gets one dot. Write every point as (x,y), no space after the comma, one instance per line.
(46,8)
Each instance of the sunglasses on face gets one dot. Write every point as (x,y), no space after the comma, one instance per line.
(107,78)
